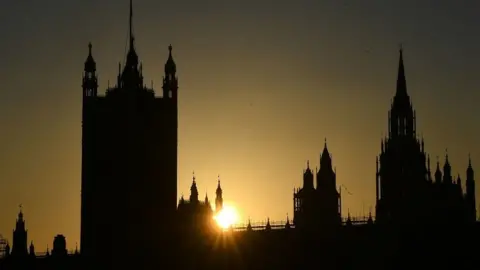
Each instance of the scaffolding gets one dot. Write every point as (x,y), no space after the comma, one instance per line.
(3,246)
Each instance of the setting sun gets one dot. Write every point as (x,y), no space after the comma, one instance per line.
(227,217)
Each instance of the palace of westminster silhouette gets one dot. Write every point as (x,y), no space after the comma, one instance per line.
(129,166)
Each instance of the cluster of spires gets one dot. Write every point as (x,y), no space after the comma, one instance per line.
(268,226)
(194,194)
(19,248)
(132,74)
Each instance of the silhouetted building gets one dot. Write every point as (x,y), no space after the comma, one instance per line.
(59,246)
(405,191)
(318,208)
(195,215)
(20,248)
(219,197)
(130,217)
(129,161)
(31,250)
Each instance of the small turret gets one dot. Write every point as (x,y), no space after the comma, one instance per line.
(470,192)
(287,225)
(20,246)
(349,219)
(181,202)
(193,191)
(207,203)
(131,77)
(32,249)
(268,227)
(438,173)
(370,219)
(90,81)
(325,158)
(447,170)
(170,66)
(308,178)
(249,226)
(59,246)
(219,197)
(170,80)
(459,184)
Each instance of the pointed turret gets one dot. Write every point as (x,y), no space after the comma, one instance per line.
(401,80)
(370,218)
(459,185)
(206,200)
(402,119)
(90,64)
(287,224)
(447,170)
(268,227)
(249,226)
(131,76)
(325,158)
(469,168)
(170,66)
(132,57)
(349,219)
(170,80)
(308,178)
(20,246)
(193,191)
(219,197)
(470,193)
(32,249)
(326,175)
(429,171)
(181,202)
(438,173)
(90,82)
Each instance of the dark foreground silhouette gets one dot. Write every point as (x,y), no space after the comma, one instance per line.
(130,217)
(349,247)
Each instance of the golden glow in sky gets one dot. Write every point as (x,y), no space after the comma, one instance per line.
(227,217)
(259,92)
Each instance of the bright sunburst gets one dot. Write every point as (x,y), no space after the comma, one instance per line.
(227,217)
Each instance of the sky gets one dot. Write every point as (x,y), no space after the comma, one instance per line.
(262,84)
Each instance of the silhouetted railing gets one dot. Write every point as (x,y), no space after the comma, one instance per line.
(279,225)
(258,226)
(357,220)
(43,254)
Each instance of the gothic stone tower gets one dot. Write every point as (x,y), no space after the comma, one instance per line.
(129,161)
(20,239)
(405,190)
(318,209)
(401,185)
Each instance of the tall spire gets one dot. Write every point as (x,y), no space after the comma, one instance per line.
(90,65)
(401,81)
(131,25)
(132,57)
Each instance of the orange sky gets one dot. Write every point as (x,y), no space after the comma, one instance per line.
(259,92)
